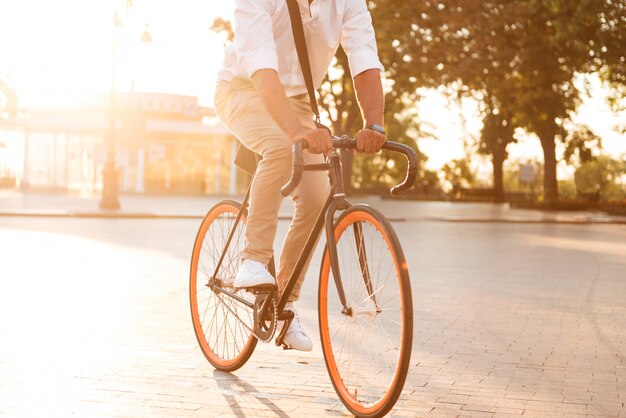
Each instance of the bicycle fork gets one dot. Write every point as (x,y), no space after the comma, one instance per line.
(331,245)
(339,202)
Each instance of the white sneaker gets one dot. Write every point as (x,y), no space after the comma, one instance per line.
(251,274)
(296,337)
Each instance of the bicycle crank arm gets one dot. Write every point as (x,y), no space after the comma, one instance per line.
(287,316)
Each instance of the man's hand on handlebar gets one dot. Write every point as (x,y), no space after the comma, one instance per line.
(345,142)
(318,140)
(369,141)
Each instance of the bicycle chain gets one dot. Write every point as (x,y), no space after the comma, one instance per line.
(275,315)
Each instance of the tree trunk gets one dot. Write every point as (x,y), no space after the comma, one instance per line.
(550,185)
(498,178)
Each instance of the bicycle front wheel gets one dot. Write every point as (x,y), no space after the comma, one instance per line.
(223,325)
(366,343)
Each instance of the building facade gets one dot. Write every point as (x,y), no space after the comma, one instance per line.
(163,144)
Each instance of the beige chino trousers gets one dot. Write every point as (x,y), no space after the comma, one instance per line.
(239,106)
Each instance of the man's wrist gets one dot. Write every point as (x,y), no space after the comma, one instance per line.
(295,132)
(376,127)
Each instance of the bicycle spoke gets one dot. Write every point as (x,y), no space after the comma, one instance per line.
(223,325)
(366,343)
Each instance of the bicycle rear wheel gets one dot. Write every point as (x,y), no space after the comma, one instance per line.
(367,347)
(221,323)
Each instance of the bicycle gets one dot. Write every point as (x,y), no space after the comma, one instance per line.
(365,318)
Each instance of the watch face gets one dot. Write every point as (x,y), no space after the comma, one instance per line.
(378,128)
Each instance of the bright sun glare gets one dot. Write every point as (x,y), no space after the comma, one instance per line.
(61,52)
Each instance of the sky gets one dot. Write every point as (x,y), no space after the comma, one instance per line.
(60,53)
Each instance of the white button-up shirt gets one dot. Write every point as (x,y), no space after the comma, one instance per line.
(264,39)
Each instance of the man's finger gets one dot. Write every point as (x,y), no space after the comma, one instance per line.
(381,142)
(368,144)
(359,144)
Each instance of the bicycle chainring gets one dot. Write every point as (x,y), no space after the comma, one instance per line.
(265,328)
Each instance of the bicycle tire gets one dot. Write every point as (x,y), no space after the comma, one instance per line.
(226,339)
(376,380)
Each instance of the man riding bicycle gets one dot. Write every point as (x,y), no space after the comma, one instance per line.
(261,97)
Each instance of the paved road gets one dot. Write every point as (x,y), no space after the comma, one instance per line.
(510,320)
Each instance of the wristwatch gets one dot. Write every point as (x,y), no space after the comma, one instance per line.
(377,128)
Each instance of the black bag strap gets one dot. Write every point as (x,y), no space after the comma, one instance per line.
(303,54)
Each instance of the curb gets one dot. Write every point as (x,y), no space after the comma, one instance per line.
(96,215)
(522,221)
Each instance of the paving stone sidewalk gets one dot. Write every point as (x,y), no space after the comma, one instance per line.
(510,320)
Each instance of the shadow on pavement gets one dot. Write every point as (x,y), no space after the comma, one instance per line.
(232,385)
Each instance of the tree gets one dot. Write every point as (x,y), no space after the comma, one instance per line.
(224,27)
(445,43)
(458,173)
(339,103)
(598,179)
(554,41)
(580,141)
(610,50)
(496,135)
(523,53)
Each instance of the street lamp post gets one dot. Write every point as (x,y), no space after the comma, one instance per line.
(110,193)
(110,174)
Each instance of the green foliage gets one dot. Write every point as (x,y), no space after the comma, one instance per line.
(512,177)
(459,173)
(337,98)
(589,178)
(613,193)
(430,183)
(580,142)
(339,104)
(496,134)
(522,55)
(224,27)
(518,57)
(567,190)
(376,173)
(601,178)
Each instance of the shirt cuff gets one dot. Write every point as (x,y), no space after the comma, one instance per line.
(260,59)
(364,59)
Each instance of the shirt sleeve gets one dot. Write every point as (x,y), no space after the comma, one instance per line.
(358,38)
(254,37)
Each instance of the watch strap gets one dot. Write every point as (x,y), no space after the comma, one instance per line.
(376,128)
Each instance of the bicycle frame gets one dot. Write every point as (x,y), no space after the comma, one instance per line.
(335,201)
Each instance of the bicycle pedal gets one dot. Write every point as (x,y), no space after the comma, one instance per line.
(261,289)
(280,343)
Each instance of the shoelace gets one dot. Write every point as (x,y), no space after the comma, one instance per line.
(256,268)
(298,326)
